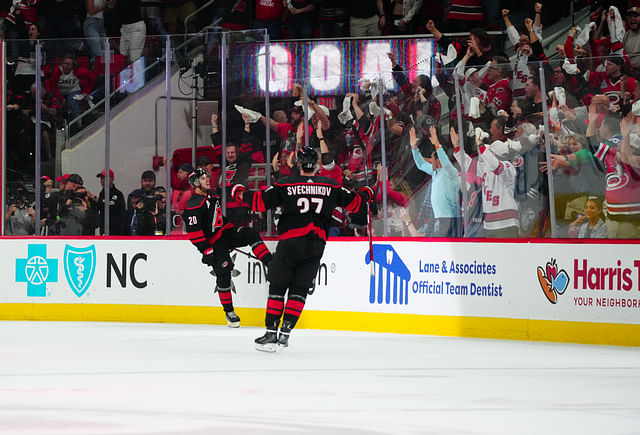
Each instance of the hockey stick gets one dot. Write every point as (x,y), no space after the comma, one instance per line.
(213,273)
(247,254)
(366,180)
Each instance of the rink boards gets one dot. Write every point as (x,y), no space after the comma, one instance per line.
(565,292)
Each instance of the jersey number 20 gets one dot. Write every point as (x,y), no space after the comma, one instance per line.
(304,205)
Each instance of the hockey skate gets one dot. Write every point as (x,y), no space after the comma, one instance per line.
(283,340)
(233,321)
(283,337)
(268,342)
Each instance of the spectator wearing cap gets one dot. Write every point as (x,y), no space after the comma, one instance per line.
(117,211)
(205,163)
(77,212)
(19,219)
(73,181)
(612,82)
(62,181)
(131,215)
(148,181)
(631,40)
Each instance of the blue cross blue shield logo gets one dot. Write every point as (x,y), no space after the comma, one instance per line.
(36,270)
(79,267)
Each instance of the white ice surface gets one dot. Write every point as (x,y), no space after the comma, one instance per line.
(76,378)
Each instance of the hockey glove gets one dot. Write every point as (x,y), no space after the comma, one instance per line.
(237,191)
(368,192)
(207,257)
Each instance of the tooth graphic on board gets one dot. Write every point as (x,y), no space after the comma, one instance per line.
(389,256)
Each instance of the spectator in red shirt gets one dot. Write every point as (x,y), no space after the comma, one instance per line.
(269,16)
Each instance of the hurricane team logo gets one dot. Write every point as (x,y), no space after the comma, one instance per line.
(552,281)
(79,267)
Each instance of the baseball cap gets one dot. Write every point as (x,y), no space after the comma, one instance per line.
(186,167)
(45,178)
(62,178)
(139,193)
(102,174)
(148,175)
(75,178)
(204,161)
(633,10)
(618,60)
(468,72)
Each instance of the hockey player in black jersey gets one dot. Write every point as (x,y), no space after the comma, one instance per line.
(307,202)
(214,237)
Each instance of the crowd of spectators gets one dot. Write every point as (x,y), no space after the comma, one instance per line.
(476,166)
(489,179)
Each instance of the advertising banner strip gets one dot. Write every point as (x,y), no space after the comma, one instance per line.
(551,292)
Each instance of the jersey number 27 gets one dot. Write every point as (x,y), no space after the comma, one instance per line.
(304,204)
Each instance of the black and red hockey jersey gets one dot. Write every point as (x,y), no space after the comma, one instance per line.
(204,221)
(307,204)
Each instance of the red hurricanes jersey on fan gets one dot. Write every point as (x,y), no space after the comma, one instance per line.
(499,95)
(622,189)
(611,88)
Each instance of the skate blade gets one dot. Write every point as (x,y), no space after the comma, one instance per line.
(233,324)
(269,347)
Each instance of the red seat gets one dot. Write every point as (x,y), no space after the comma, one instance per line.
(83,61)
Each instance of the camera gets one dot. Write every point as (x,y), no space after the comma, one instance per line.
(78,197)
(148,202)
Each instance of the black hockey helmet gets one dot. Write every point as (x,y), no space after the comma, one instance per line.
(194,177)
(308,158)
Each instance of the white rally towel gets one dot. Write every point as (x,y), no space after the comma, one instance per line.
(474,107)
(310,111)
(569,68)
(346,115)
(253,115)
(616,28)
(583,35)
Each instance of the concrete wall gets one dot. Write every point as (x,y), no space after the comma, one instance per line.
(133,139)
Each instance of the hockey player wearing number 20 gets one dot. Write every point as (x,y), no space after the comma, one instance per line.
(214,237)
(307,202)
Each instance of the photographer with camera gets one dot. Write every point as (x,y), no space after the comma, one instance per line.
(19,220)
(117,211)
(77,211)
(152,212)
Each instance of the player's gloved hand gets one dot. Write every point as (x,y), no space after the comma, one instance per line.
(368,192)
(207,257)
(237,192)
